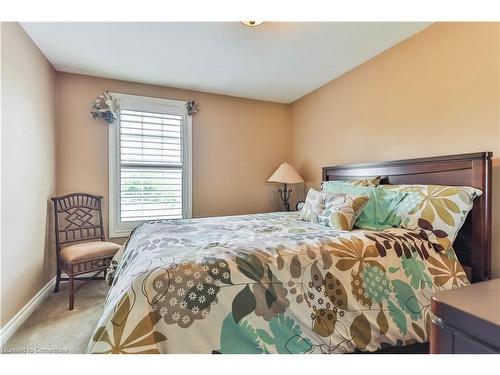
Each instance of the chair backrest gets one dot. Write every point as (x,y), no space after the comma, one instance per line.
(78,217)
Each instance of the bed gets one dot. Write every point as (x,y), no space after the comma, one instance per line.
(271,283)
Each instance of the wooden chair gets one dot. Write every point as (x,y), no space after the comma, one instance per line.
(80,245)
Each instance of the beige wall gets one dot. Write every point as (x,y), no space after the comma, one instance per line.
(436,93)
(237,145)
(28,169)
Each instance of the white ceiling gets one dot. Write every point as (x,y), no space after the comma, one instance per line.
(278,62)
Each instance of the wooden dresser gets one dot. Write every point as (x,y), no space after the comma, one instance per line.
(467,320)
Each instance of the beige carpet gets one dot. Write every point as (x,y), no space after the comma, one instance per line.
(52,328)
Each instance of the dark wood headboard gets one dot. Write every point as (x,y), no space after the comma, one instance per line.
(473,243)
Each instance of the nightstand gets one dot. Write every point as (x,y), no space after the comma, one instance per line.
(467,320)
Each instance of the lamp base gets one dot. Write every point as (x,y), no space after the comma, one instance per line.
(285,196)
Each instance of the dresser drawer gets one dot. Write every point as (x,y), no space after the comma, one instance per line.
(447,340)
(463,344)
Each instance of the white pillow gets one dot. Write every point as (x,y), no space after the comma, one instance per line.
(313,206)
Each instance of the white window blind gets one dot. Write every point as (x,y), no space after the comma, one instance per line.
(151,159)
(151,165)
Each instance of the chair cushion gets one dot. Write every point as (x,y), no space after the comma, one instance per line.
(88,250)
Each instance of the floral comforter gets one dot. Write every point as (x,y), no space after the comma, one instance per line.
(270,283)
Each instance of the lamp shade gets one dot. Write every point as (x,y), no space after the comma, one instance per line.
(286,174)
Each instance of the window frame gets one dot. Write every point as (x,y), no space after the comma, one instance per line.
(118,228)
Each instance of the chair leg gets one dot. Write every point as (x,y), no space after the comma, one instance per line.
(71,290)
(58,278)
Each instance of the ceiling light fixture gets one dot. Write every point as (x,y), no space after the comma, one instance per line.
(252,23)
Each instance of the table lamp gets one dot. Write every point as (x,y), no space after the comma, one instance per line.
(286,174)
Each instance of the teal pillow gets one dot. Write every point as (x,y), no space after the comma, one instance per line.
(381,211)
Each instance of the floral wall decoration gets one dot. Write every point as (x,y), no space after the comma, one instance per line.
(192,107)
(105,106)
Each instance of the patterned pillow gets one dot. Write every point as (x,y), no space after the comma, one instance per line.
(440,210)
(342,210)
(314,204)
(369,181)
(381,211)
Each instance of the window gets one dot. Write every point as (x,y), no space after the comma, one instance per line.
(149,163)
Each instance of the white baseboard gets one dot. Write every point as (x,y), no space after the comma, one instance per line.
(13,325)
